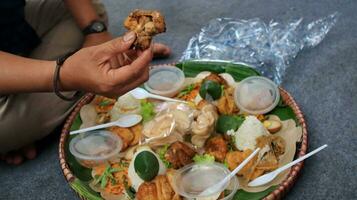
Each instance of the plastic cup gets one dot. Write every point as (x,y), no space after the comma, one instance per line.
(165,80)
(191,180)
(95,148)
(256,95)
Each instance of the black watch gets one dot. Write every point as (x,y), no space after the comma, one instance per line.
(95,27)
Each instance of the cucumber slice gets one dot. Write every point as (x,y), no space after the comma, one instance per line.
(146,165)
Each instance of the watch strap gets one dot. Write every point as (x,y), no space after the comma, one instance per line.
(90,29)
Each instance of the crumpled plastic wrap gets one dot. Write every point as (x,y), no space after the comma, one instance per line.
(269,48)
(171,122)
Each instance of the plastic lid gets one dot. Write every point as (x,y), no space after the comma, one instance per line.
(165,80)
(256,95)
(191,180)
(95,145)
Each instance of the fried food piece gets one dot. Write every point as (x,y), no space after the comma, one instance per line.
(217,147)
(275,143)
(216,78)
(179,154)
(234,158)
(278,144)
(145,24)
(147,191)
(125,134)
(136,130)
(103,104)
(204,124)
(158,189)
(226,104)
(201,104)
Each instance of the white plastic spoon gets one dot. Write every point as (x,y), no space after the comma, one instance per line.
(213,189)
(124,121)
(270,176)
(139,93)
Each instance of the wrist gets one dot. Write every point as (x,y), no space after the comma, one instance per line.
(96,35)
(66,82)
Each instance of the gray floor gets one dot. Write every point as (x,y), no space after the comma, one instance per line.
(323,81)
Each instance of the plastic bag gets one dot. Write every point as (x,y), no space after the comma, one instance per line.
(268,48)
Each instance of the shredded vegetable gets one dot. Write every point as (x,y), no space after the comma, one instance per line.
(205,158)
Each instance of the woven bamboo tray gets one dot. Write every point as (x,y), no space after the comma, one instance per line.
(278,193)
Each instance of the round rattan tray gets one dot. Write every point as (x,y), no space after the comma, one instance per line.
(278,193)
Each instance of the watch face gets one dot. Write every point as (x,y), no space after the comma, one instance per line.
(97,26)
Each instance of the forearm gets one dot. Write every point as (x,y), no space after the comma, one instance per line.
(82,11)
(19,74)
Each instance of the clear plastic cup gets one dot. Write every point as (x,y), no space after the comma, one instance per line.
(165,80)
(95,148)
(256,95)
(191,180)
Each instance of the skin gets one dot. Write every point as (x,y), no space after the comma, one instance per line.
(104,66)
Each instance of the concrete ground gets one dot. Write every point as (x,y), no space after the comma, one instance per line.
(323,81)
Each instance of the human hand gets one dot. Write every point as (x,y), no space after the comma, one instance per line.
(160,50)
(91,70)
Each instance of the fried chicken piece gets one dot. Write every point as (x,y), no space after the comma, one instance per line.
(179,154)
(217,147)
(158,189)
(145,24)
(125,134)
(226,104)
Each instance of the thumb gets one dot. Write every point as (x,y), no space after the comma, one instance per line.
(116,46)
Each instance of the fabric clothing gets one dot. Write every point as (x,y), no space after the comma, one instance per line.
(25,118)
(16,35)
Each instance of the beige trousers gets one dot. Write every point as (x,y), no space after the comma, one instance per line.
(25,118)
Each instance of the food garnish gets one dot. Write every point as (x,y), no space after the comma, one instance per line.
(147,110)
(161,152)
(202,159)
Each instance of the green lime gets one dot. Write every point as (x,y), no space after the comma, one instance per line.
(210,88)
(146,165)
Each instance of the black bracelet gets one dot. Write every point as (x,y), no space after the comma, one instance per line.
(56,78)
